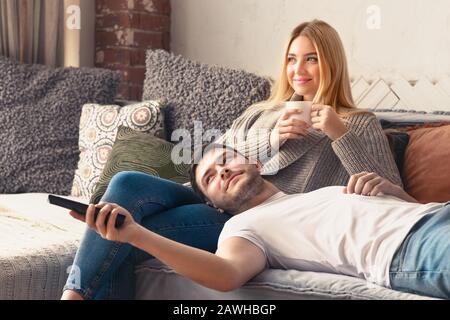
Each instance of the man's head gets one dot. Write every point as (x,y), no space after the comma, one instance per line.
(226,179)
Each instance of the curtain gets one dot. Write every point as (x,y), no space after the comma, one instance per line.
(31,31)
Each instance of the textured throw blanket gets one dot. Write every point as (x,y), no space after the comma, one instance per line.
(36,248)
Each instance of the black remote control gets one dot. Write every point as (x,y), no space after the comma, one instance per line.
(81,208)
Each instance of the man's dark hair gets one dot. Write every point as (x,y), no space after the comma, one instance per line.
(196,159)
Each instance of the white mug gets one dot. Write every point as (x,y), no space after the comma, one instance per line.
(305,106)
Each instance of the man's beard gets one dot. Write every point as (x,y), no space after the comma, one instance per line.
(249,188)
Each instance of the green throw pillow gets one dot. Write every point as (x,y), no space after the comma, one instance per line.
(139,151)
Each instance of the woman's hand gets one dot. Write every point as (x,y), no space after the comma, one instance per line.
(371,184)
(109,232)
(288,127)
(325,119)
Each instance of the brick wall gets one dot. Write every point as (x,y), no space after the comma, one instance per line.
(125,29)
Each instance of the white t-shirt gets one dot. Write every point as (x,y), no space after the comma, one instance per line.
(329,231)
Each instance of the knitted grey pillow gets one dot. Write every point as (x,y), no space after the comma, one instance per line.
(40,110)
(214,95)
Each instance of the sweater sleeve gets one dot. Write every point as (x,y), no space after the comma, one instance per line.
(252,140)
(365,148)
(254,144)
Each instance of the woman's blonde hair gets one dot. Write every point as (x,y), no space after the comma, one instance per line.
(334,86)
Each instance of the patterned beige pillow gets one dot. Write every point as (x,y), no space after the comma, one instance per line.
(98,130)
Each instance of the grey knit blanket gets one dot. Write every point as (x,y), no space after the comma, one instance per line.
(38,242)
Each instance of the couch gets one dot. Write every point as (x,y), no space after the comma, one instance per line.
(77,160)
(39,242)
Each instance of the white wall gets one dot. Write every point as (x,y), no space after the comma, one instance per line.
(413,38)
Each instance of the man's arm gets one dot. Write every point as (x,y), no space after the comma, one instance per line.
(235,262)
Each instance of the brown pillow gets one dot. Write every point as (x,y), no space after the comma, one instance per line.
(426,170)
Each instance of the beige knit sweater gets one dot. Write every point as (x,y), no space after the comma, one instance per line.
(315,161)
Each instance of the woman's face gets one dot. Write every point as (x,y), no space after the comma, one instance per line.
(302,69)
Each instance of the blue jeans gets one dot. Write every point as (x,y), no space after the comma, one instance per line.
(422,263)
(105,269)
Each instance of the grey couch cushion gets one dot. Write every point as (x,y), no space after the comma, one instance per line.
(214,95)
(40,110)
(157,281)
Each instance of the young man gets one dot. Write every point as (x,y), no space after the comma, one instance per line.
(369,229)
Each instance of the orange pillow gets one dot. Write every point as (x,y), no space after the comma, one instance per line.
(426,170)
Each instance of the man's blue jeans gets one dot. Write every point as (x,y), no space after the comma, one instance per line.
(105,269)
(422,263)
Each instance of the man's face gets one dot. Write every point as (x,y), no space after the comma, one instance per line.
(227,179)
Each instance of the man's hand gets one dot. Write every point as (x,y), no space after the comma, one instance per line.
(371,184)
(123,234)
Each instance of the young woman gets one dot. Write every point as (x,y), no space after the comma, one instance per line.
(340,142)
